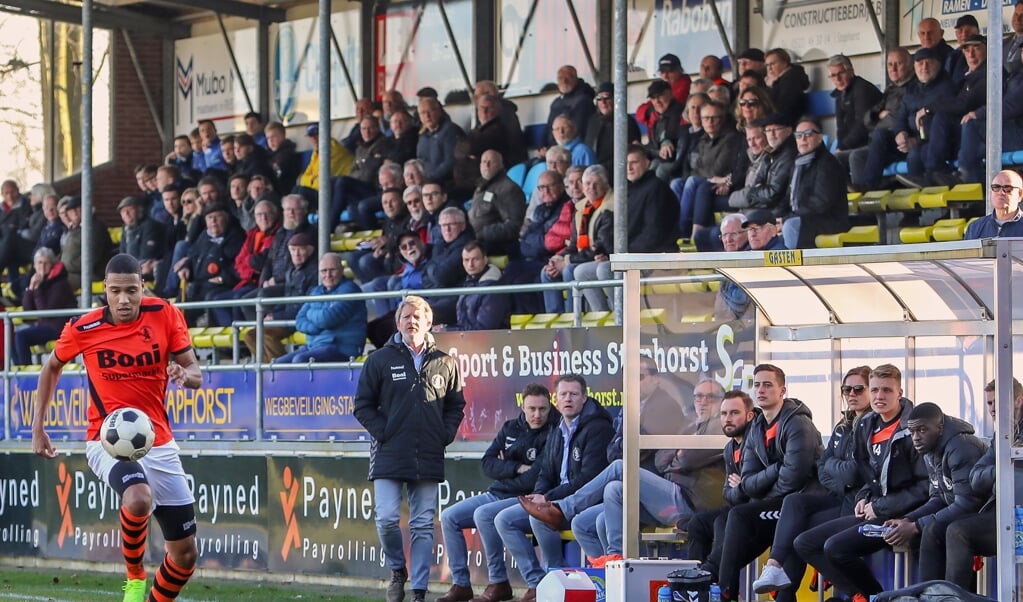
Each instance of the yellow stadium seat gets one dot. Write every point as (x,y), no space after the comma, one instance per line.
(903,200)
(875,201)
(541,321)
(859,235)
(653,315)
(933,197)
(916,235)
(564,320)
(519,321)
(949,229)
(598,318)
(500,261)
(115,234)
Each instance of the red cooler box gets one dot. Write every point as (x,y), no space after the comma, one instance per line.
(638,580)
(566,585)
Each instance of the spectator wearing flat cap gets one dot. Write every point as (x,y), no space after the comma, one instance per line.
(904,140)
(141,236)
(749,62)
(300,278)
(209,266)
(955,64)
(71,245)
(668,123)
(669,67)
(762,231)
(600,132)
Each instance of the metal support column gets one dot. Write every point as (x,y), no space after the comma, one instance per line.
(484,24)
(368,37)
(582,39)
(454,47)
(621,138)
(325,137)
(150,103)
(86,225)
(878,32)
(729,50)
(263,68)
(994,105)
(234,61)
(630,405)
(1005,512)
(605,52)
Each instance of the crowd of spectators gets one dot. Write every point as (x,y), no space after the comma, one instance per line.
(229,217)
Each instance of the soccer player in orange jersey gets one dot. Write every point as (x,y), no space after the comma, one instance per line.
(126,348)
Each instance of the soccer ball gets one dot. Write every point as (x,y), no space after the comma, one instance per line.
(127,434)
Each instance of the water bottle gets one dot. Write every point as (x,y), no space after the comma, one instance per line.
(869,530)
(715,593)
(664,593)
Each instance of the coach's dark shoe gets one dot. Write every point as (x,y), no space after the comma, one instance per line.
(545,512)
(419,595)
(530,595)
(496,592)
(396,588)
(457,593)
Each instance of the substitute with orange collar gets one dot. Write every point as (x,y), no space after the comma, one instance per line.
(127,348)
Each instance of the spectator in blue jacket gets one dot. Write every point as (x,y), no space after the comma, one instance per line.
(1005,220)
(335,330)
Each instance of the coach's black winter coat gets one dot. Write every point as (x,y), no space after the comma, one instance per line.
(588,448)
(517,444)
(412,416)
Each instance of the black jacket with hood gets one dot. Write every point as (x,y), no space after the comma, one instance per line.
(948,467)
(793,467)
(899,483)
(588,447)
(517,444)
(838,470)
(411,415)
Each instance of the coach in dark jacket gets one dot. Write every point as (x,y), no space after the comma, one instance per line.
(817,194)
(409,399)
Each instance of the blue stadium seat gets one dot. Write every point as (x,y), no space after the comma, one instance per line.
(531,178)
(303,160)
(517,173)
(820,103)
(535,135)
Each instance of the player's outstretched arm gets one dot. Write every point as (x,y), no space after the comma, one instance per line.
(41,444)
(185,370)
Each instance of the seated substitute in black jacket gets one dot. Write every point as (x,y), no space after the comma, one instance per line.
(783,447)
(950,450)
(895,483)
(583,434)
(817,194)
(976,534)
(511,462)
(410,401)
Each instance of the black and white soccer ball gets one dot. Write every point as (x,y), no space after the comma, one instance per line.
(127,434)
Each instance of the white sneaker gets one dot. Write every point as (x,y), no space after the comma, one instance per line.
(771,578)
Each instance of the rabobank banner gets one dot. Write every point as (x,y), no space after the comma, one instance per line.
(208,87)
(687,29)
